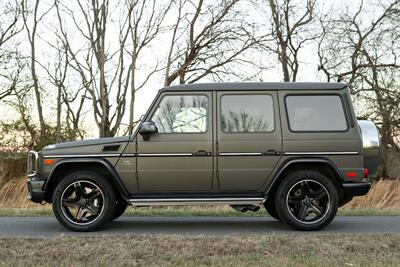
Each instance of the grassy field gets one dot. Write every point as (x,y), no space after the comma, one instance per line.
(178,250)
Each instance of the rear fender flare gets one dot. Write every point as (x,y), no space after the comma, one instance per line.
(289,162)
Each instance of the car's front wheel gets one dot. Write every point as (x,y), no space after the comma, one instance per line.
(307,200)
(120,208)
(83,201)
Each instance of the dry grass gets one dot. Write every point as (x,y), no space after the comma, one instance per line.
(177,250)
(383,194)
(14,194)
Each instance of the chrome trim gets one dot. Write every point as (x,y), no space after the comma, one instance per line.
(371,143)
(165,154)
(323,153)
(82,156)
(198,201)
(240,154)
(128,155)
(32,163)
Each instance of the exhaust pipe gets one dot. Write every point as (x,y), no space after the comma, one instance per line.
(244,208)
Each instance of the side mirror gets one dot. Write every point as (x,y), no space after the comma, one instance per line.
(148,128)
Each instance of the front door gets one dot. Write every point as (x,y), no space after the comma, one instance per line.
(249,139)
(178,158)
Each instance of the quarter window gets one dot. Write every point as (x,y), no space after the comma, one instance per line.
(316,113)
(182,114)
(247,113)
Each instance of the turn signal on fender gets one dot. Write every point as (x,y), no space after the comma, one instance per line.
(48,162)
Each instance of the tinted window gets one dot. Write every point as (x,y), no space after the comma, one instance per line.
(182,114)
(316,113)
(247,113)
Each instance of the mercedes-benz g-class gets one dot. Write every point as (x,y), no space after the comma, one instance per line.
(295,148)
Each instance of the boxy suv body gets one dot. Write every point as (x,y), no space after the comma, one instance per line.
(295,148)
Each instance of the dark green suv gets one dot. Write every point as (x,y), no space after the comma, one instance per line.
(295,148)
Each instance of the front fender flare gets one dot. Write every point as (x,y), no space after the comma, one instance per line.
(118,182)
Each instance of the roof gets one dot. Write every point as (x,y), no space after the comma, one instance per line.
(256,86)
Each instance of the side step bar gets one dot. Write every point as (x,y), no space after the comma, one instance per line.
(195,201)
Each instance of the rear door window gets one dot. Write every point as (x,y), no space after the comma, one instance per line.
(247,114)
(315,113)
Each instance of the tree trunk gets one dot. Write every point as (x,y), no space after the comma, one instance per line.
(58,126)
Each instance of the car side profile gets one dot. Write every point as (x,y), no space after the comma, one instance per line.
(296,149)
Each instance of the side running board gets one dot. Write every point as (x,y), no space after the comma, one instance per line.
(195,201)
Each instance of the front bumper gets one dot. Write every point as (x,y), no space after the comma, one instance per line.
(35,189)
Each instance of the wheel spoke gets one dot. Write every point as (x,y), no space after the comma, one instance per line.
(92,209)
(93,195)
(79,214)
(79,190)
(303,212)
(69,202)
(294,202)
(305,189)
(320,194)
(316,209)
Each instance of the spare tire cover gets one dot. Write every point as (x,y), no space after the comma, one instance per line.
(371,145)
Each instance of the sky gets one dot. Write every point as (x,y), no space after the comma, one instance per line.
(308,69)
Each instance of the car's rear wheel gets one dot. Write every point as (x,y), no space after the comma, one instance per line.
(120,208)
(83,201)
(307,200)
(271,208)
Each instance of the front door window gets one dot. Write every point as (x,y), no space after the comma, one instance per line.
(182,114)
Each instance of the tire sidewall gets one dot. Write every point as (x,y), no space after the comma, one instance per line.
(120,208)
(104,186)
(287,184)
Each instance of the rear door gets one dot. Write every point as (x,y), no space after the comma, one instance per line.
(248,139)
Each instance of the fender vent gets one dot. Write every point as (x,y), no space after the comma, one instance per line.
(110,148)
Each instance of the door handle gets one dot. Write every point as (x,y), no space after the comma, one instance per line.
(272,152)
(201,153)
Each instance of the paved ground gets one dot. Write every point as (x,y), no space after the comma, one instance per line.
(48,226)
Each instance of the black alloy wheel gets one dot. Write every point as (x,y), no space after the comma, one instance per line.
(83,201)
(306,200)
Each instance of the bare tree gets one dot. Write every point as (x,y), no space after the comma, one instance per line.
(291,22)
(31,24)
(106,87)
(145,24)
(363,51)
(206,39)
(9,16)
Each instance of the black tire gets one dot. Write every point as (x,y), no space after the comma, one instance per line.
(271,208)
(306,200)
(120,208)
(89,196)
